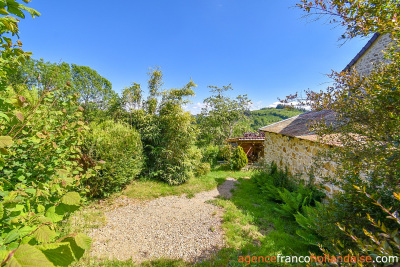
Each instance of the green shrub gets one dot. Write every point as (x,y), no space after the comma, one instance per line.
(40,177)
(239,159)
(202,169)
(210,155)
(225,153)
(119,146)
(382,240)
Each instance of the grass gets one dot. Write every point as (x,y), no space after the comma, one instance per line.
(149,189)
(253,227)
(251,224)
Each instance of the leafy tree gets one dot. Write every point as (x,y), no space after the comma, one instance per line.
(95,91)
(168,132)
(368,107)
(221,115)
(42,75)
(132,99)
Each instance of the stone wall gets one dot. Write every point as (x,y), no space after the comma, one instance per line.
(373,55)
(297,155)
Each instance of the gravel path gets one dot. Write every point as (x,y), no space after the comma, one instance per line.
(173,227)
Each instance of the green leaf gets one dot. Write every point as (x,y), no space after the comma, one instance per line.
(44,234)
(3,115)
(6,141)
(71,198)
(3,11)
(40,208)
(15,11)
(28,256)
(83,241)
(19,116)
(11,236)
(4,151)
(55,215)
(77,250)
(3,254)
(60,254)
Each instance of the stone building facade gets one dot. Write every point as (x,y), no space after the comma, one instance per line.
(290,143)
(371,54)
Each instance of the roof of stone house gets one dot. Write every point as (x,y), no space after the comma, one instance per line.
(298,126)
(362,52)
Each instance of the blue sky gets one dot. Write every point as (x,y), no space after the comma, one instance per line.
(264,48)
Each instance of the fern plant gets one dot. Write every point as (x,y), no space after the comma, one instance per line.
(308,221)
(293,202)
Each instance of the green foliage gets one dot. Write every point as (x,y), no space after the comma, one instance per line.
(202,169)
(267,116)
(225,153)
(382,240)
(40,138)
(95,91)
(279,186)
(359,18)
(40,167)
(293,202)
(221,115)
(239,159)
(41,75)
(369,153)
(269,174)
(312,223)
(210,155)
(120,148)
(168,133)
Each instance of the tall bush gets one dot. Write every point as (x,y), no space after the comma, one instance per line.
(120,147)
(167,131)
(239,159)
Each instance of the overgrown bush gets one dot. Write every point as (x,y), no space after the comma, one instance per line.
(202,169)
(40,166)
(167,131)
(120,147)
(225,153)
(381,240)
(239,159)
(210,155)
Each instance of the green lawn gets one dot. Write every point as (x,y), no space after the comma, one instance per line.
(251,225)
(149,189)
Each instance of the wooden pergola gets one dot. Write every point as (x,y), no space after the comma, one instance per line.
(253,146)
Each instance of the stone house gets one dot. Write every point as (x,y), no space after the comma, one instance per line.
(290,143)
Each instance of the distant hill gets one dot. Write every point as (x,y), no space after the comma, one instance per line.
(267,116)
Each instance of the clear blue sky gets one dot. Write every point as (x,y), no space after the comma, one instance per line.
(262,47)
